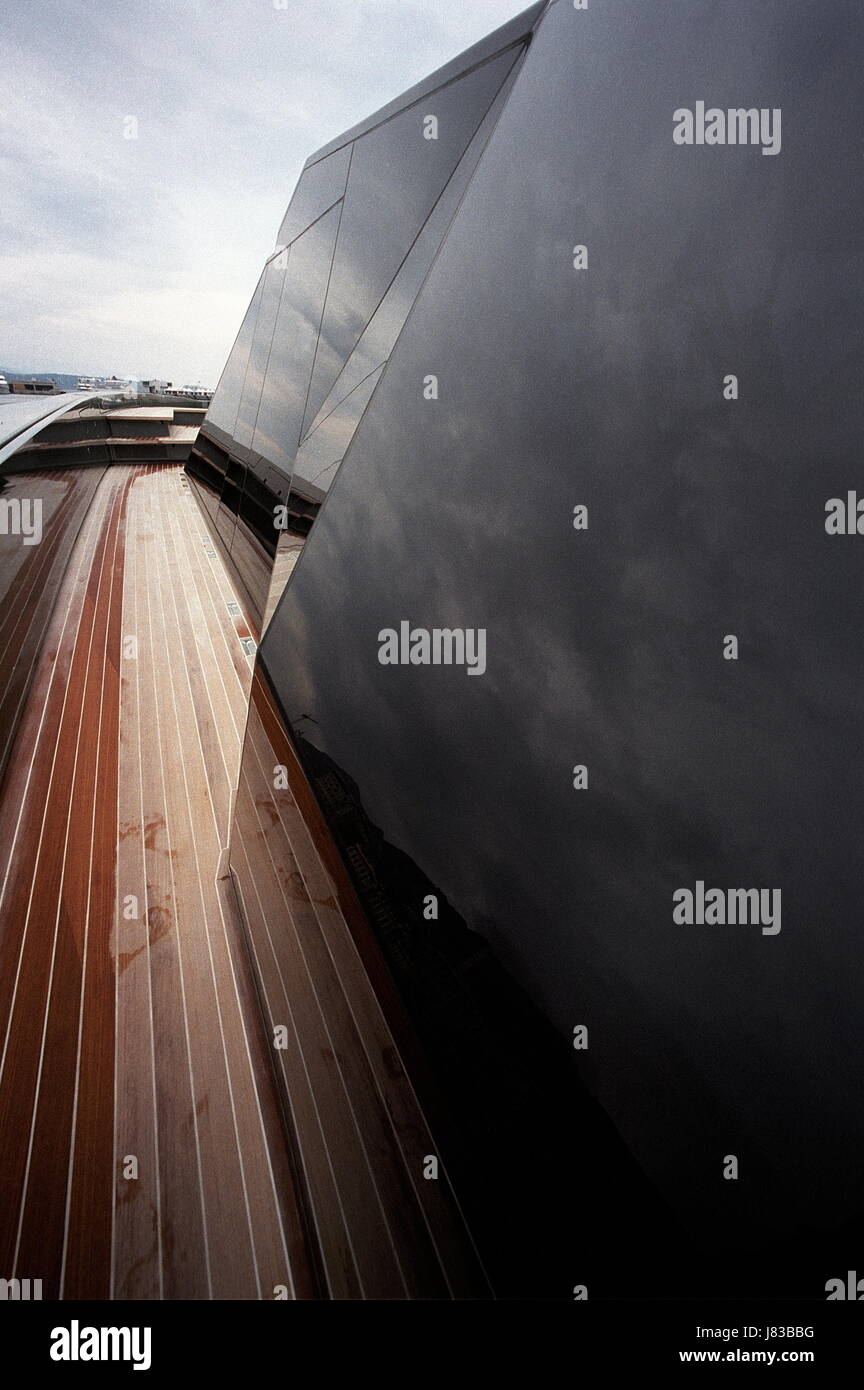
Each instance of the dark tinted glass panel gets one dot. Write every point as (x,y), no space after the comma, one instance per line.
(226,514)
(207,463)
(222,413)
(606,387)
(322,450)
(257,364)
(318,188)
(288,549)
(284,395)
(396,176)
(200,489)
(256,512)
(253,543)
(378,337)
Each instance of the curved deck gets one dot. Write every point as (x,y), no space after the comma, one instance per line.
(147,1144)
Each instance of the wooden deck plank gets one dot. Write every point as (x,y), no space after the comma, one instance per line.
(136,1266)
(328,1026)
(397,1104)
(37,1095)
(30,579)
(140,983)
(186,1271)
(219,723)
(86,1269)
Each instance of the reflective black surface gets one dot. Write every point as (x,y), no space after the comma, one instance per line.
(378,337)
(253,381)
(242,461)
(285,390)
(396,176)
(319,187)
(604,387)
(327,310)
(323,449)
(222,414)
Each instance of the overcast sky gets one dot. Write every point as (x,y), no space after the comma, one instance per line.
(139,256)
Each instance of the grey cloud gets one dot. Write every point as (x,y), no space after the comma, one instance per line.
(141,255)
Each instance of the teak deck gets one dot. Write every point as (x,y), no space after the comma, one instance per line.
(149,1147)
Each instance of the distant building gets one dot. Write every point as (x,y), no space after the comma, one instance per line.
(32,386)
